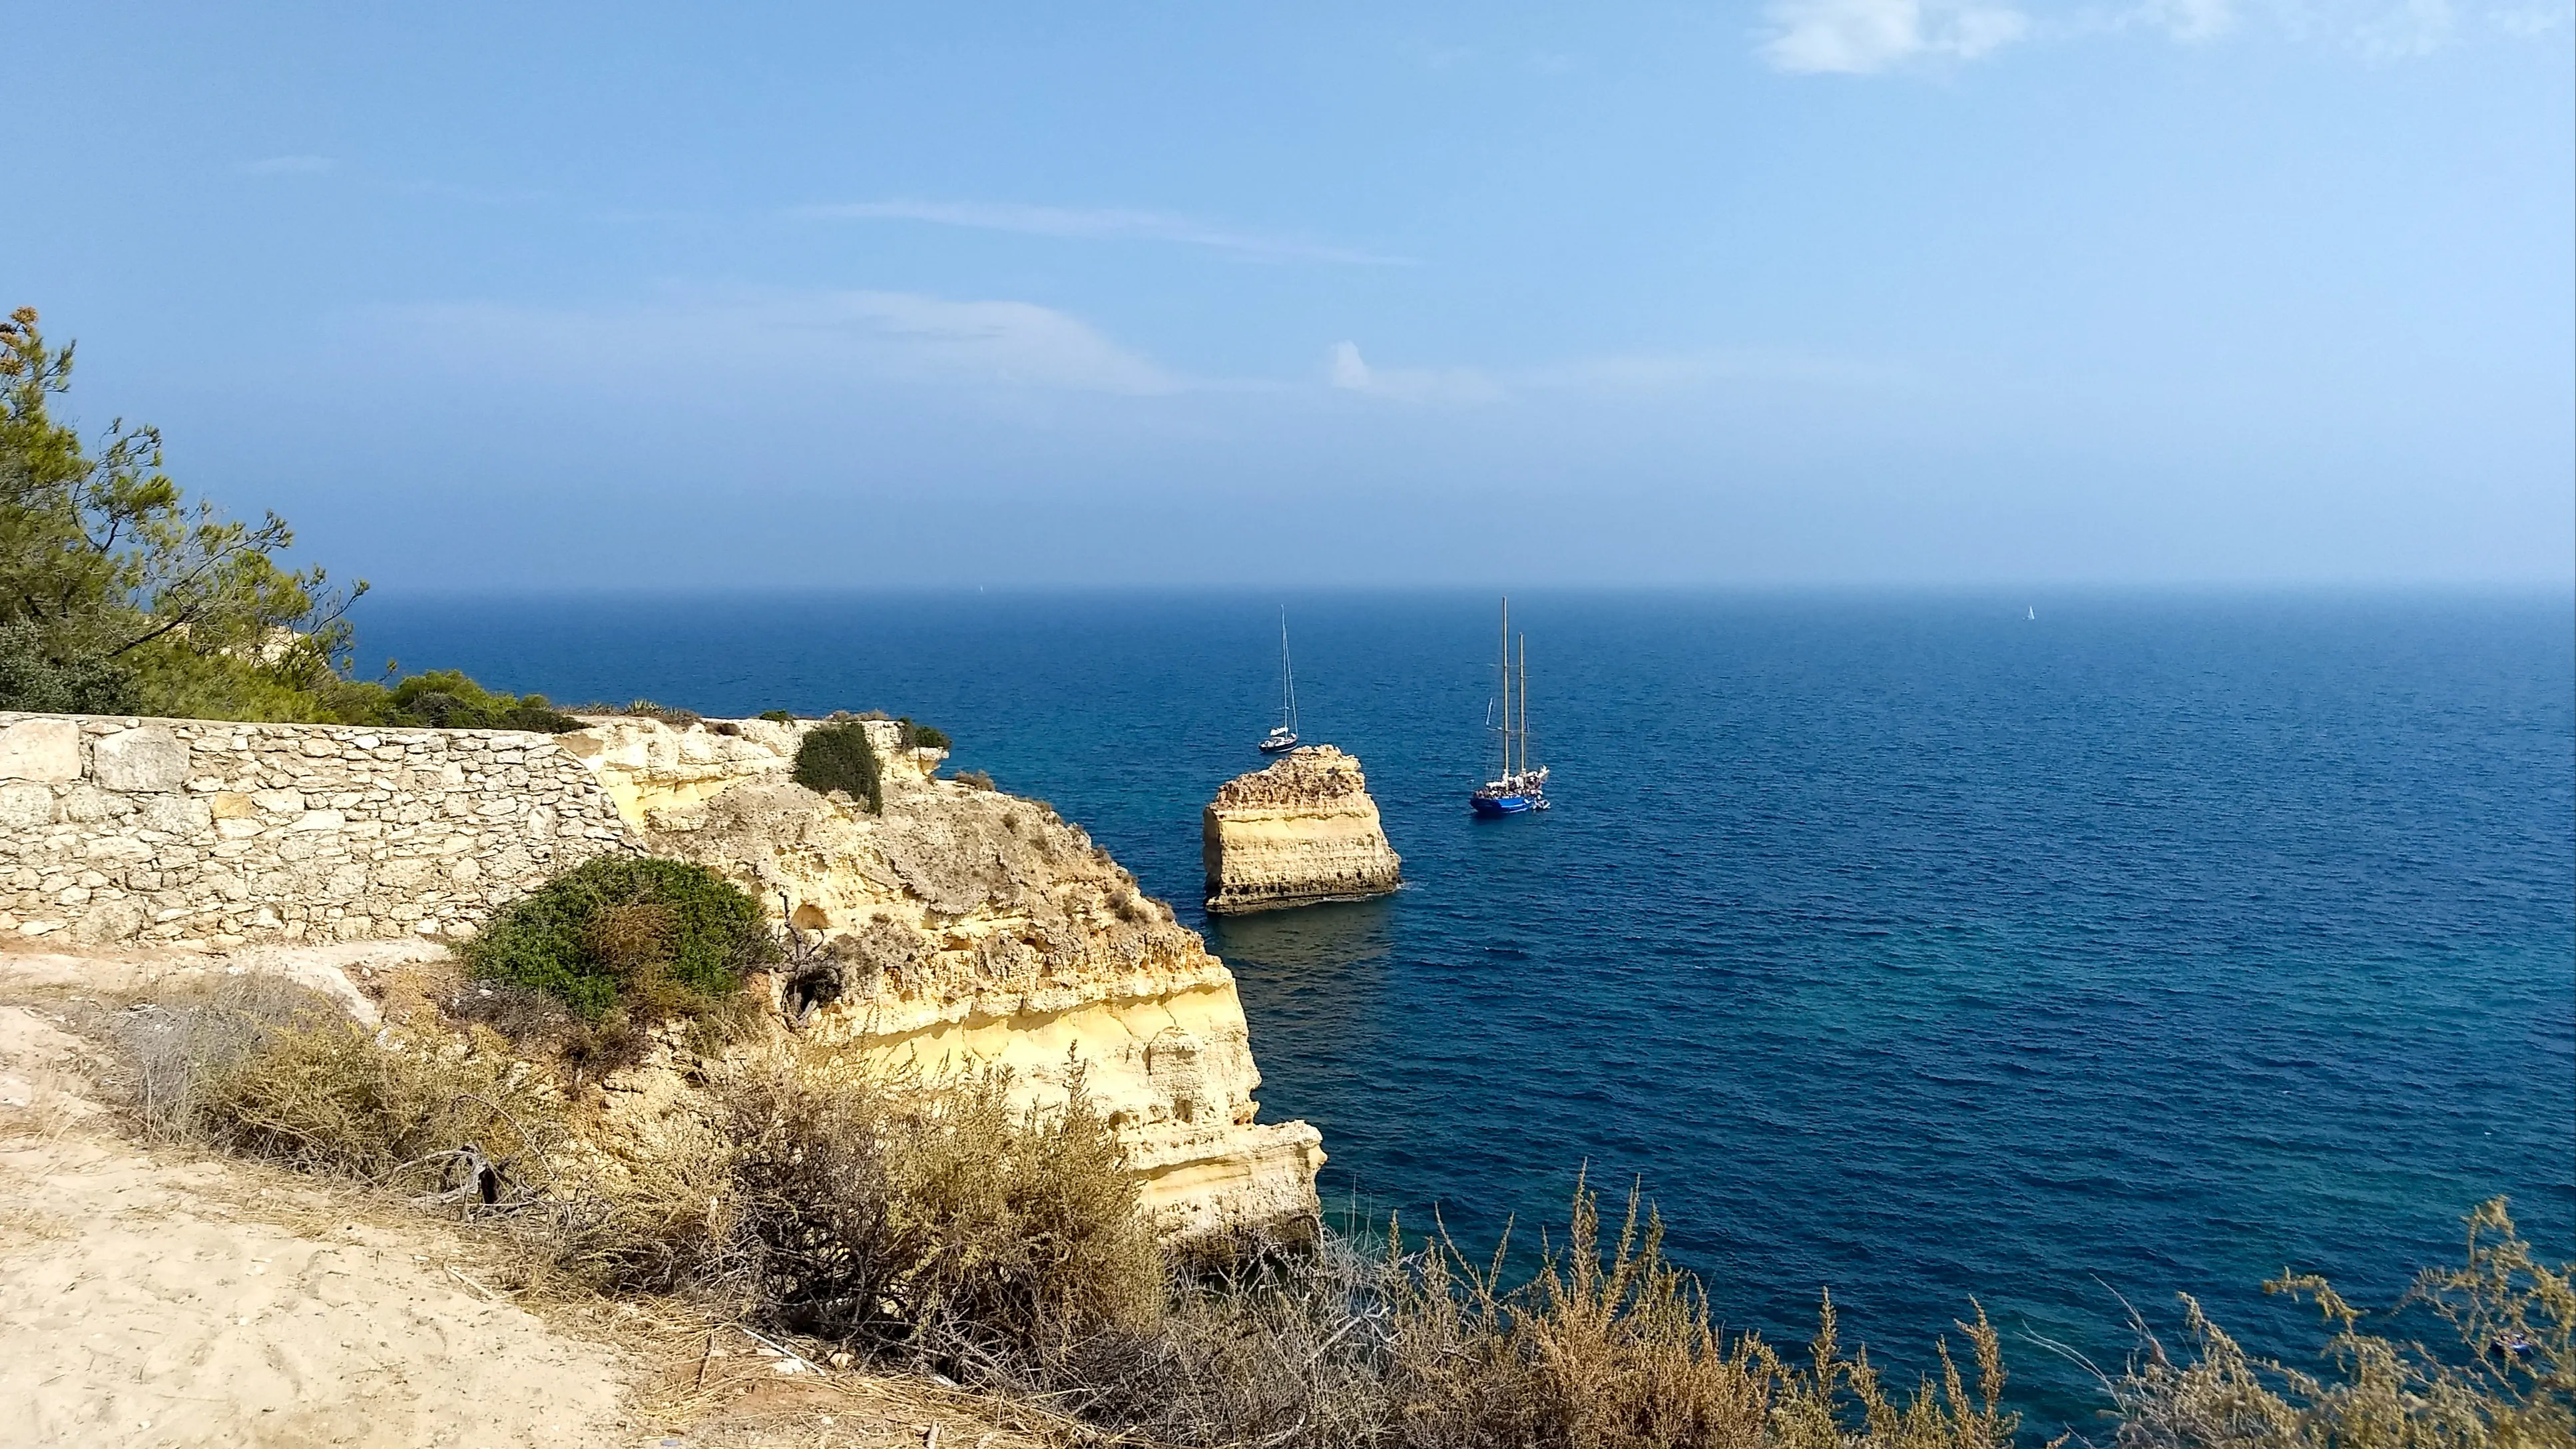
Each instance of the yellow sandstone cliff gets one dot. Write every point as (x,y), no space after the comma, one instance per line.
(1301,830)
(971,929)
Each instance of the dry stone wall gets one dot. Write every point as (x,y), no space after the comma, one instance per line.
(219,833)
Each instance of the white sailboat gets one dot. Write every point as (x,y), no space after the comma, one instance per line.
(1283,735)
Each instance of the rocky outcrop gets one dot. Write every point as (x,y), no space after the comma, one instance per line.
(967,930)
(1299,831)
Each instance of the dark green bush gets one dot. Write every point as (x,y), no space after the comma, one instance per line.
(839,757)
(39,676)
(442,699)
(922,736)
(669,714)
(651,939)
(779,716)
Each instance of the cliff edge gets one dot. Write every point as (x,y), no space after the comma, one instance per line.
(1300,830)
(970,929)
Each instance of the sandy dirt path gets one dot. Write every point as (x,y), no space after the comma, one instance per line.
(156,1296)
(153,1301)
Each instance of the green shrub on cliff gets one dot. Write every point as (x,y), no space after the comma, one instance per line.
(442,699)
(841,757)
(922,736)
(648,939)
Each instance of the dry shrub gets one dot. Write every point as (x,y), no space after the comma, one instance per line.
(265,1068)
(1809,1408)
(325,1095)
(2508,1378)
(174,1049)
(1607,1350)
(938,1221)
(1283,1348)
(1604,1347)
(660,1216)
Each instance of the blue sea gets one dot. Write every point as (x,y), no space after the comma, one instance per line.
(1898,944)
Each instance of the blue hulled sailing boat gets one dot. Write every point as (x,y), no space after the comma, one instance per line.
(1517,791)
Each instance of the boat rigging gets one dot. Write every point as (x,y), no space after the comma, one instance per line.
(1283,735)
(1519,789)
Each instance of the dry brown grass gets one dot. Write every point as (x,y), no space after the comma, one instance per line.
(933,1226)
(1599,1348)
(266,1069)
(1607,1345)
(937,1221)
(2505,1378)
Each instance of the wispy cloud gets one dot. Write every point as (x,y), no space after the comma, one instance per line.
(1865,37)
(1439,386)
(826,337)
(1870,37)
(2189,21)
(1100,224)
(1618,375)
(2533,19)
(2406,29)
(287,166)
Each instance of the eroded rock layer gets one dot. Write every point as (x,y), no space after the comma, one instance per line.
(1301,830)
(969,929)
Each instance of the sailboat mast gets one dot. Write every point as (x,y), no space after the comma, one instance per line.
(1524,703)
(1287,677)
(1507,687)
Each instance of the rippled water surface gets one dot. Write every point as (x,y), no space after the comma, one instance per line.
(1900,944)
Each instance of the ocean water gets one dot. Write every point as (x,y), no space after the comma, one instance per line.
(1901,945)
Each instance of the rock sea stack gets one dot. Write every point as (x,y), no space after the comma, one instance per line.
(1300,831)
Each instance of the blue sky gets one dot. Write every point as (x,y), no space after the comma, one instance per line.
(1820,291)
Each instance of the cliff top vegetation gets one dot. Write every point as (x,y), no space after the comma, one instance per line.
(119,594)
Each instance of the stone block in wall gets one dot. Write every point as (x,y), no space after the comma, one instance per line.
(25,807)
(146,758)
(175,815)
(40,749)
(117,920)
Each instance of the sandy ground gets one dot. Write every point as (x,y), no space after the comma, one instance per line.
(150,1296)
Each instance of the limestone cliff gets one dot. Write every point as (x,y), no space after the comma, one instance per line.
(974,929)
(1301,830)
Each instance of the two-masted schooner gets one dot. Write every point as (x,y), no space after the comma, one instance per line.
(1519,789)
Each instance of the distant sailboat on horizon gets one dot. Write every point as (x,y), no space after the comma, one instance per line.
(1283,735)
(1522,790)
